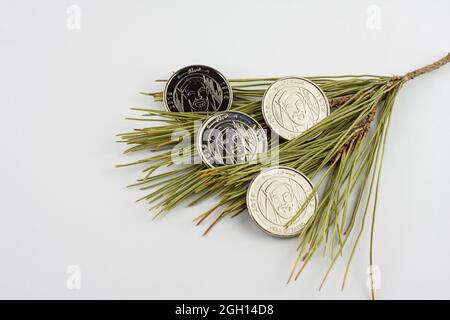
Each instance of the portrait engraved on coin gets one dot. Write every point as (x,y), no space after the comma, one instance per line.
(293,105)
(274,198)
(230,138)
(197,88)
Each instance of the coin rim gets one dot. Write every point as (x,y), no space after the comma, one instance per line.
(263,105)
(230,102)
(251,214)
(202,128)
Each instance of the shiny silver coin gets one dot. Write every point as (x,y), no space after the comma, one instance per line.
(197,88)
(229,138)
(291,106)
(275,196)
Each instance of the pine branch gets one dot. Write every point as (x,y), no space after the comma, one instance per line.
(341,152)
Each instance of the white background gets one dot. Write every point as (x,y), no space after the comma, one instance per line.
(64,95)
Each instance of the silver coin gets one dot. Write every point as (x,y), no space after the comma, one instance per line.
(275,196)
(291,106)
(197,88)
(230,138)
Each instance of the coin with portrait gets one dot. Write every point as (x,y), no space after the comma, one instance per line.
(230,138)
(276,195)
(291,106)
(197,88)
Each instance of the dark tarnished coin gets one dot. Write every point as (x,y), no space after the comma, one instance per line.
(274,198)
(229,138)
(292,105)
(197,88)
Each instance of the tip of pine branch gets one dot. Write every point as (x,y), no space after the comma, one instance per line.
(290,277)
(157,215)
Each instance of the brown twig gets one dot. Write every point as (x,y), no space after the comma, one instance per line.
(431,67)
(357,135)
(339,101)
